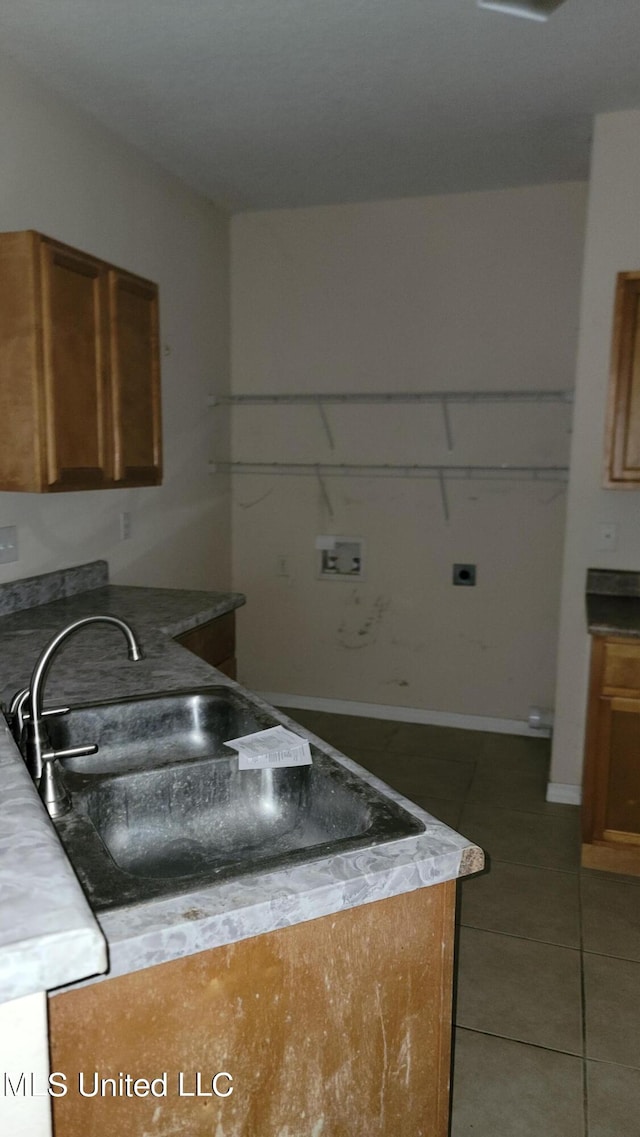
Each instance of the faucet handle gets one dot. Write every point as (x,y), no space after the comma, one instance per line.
(52,790)
(55,795)
(70,752)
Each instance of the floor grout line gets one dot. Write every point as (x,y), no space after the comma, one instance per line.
(583,998)
(616,1065)
(520,1041)
(610,955)
(519,936)
(526,939)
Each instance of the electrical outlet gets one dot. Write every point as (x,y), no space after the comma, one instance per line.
(8,544)
(464,575)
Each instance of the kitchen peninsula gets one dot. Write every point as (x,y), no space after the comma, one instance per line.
(323,989)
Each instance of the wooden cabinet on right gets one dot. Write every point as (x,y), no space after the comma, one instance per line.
(79,370)
(623,424)
(611,792)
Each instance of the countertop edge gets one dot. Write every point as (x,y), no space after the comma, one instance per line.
(49,934)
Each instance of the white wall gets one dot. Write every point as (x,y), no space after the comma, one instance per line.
(612,246)
(66,176)
(24,1051)
(466,291)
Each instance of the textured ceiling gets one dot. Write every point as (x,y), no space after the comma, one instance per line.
(268,103)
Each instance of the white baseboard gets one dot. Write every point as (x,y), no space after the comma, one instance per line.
(563,793)
(404,714)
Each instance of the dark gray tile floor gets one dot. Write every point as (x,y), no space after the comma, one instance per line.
(547,1011)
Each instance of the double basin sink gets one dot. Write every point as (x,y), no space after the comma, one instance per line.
(162,807)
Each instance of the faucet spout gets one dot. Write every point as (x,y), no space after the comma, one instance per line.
(37,746)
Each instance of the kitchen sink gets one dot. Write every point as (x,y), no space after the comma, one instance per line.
(155,730)
(162,807)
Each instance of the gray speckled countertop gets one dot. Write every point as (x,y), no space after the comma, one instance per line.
(94,665)
(48,934)
(613,603)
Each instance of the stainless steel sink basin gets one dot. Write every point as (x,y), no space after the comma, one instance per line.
(153,730)
(162,808)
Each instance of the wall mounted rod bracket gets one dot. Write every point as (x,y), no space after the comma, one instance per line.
(447,424)
(325,423)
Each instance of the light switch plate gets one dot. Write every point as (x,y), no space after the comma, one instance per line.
(8,544)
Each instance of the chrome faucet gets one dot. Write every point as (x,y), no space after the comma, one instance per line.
(35,743)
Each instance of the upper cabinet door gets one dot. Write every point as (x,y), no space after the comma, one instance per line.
(623,428)
(135,379)
(75,354)
(79,370)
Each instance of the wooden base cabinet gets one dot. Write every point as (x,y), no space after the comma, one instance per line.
(214,642)
(338,1027)
(611,796)
(79,370)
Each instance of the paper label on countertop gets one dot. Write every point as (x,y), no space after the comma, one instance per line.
(271,749)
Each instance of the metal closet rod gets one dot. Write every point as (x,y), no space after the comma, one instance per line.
(353,470)
(511,396)
(357,469)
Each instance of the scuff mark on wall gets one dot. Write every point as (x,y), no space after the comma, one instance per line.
(475,641)
(558,493)
(256,501)
(357,629)
(416,647)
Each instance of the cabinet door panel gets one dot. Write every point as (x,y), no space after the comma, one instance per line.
(135,379)
(611,797)
(622,812)
(623,430)
(23,450)
(79,370)
(621,667)
(75,351)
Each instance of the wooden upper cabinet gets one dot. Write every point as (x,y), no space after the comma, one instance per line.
(135,379)
(79,370)
(623,427)
(75,361)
